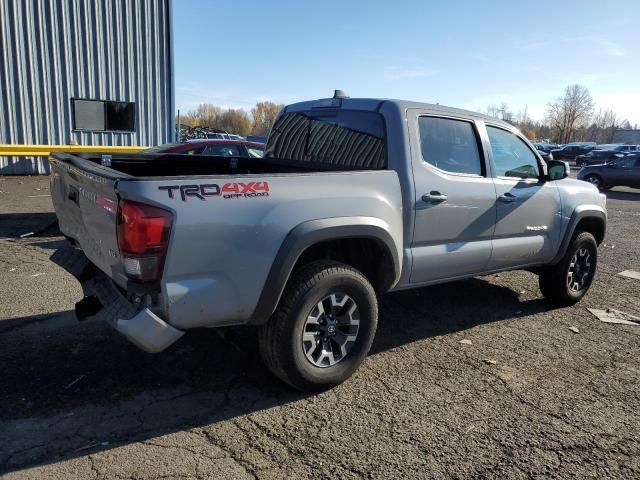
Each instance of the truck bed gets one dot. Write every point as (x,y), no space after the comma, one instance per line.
(229,221)
(172,165)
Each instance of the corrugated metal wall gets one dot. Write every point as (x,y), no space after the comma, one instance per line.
(54,50)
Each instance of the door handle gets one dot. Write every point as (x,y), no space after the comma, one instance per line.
(507,198)
(434,197)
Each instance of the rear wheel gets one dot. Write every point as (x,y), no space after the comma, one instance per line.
(568,281)
(323,327)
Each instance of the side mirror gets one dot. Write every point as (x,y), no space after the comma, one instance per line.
(557,170)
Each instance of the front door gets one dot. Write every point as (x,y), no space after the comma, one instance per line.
(624,172)
(455,199)
(529,211)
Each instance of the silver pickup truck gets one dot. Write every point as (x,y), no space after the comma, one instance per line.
(353,198)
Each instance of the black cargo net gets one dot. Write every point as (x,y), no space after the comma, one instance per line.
(345,140)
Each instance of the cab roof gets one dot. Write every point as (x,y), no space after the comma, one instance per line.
(373,104)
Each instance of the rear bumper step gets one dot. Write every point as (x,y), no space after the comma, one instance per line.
(104,301)
(148,331)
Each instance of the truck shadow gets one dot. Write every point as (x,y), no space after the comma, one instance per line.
(16,224)
(622,195)
(69,389)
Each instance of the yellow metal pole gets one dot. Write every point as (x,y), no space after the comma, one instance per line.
(46,150)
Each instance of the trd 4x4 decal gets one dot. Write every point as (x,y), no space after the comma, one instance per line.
(228,190)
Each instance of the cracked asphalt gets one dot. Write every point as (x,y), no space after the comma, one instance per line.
(524,396)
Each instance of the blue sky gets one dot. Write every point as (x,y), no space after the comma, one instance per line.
(467,54)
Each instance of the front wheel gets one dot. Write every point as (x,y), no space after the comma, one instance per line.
(595,180)
(569,280)
(323,327)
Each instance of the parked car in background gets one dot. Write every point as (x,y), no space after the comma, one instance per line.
(622,172)
(222,148)
(619,148)
(545,154)
(597,157)
(546,147)
(570,152)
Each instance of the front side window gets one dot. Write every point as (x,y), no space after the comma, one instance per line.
(626,162)
(511,156)
(450,145)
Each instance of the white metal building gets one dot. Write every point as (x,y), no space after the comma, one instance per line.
(86,72)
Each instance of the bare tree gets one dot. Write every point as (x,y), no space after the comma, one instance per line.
(205,115)
(235,121)
(522,118)
(264,114)
(502,112)
(505,113)
(604,125)
(571,111)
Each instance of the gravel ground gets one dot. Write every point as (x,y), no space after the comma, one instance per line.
(527,397)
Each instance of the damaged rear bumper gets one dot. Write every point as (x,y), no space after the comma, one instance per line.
(104,301)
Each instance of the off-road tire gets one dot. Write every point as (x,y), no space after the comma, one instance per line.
(553,279)
(280,339)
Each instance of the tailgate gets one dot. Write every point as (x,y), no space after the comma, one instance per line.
(86,203)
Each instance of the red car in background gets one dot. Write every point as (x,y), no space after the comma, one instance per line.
(222,148)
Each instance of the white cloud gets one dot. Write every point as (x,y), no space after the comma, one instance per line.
(606,46)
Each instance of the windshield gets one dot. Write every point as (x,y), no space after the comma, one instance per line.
(338,139)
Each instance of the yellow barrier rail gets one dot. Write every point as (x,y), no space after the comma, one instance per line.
(46,150)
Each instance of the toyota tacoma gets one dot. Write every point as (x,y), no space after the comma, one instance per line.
(353,198)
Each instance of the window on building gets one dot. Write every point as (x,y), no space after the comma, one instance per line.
(119,116)
(103,115)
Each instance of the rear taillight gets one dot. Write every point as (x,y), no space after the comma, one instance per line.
(143,237)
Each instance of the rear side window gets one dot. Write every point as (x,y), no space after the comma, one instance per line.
(330,139)
(255,152)
(511,156)
(450,145)
(222,150)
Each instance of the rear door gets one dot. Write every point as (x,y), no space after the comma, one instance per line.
(529,212)
(455,200)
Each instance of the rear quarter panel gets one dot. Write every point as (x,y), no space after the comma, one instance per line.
(222,247)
